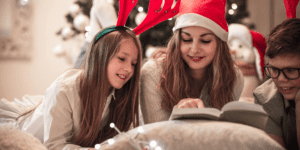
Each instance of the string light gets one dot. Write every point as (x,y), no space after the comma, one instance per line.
(152,145)
(24,2)
(112,125)
(111,141)
(140,130)
(97,146)
(158,148)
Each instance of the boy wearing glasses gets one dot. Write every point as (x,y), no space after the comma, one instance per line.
(277,94)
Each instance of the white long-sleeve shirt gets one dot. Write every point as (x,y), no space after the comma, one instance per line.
(60,113)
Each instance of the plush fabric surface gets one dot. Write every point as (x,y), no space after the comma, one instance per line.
(194,135)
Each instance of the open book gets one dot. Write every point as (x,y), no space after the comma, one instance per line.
(236,111)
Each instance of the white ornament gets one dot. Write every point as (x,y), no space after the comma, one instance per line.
(74,9)
(58,50)
(67,32)
(140,17)
(81,21)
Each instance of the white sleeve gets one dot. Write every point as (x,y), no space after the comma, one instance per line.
(151,96)
(58,122)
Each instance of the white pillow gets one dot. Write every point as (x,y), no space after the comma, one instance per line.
(194,134)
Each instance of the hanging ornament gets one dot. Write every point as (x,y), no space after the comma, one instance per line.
(74,10)
(140,17)
(58,50)
(67,32)
(81,21)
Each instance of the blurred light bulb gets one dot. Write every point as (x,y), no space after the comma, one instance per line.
(234,6)
(153,143)
(97,146)
(230,11)
(112,125)
(140,130)
(111,141)
(158,148)
(24,2)
(140,9)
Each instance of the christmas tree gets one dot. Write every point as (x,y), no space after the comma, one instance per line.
(157,36)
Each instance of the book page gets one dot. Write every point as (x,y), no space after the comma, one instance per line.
(195,113)
(245,113)
(244,106)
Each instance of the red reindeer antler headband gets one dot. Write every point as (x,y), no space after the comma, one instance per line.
(290,8)
(154,15)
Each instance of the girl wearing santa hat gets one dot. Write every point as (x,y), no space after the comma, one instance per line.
(197,69)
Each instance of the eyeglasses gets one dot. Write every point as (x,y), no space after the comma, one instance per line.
(289,73)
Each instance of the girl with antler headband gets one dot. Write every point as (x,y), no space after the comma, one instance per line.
(280,95)
(196,69)
(81,103)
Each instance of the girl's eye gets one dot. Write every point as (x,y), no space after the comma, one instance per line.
(133,64)
(184,40)
(122,59)
(206,41)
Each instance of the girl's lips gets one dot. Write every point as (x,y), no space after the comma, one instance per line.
(195,58)
(122,76)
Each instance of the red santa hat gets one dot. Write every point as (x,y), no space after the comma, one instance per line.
(209,14)
(254,40)
(259,47)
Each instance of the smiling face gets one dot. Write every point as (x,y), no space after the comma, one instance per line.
(198,47)
(288,88)
(121,66)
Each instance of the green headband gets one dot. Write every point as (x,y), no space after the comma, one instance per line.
(108,30)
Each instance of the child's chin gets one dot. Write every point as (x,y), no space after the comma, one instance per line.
(289,96)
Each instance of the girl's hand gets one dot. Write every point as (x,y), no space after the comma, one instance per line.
(190,103)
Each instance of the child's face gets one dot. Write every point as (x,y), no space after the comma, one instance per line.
(288,88)
(198,47)
(121,66)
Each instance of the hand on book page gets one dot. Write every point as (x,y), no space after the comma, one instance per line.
(236,111)
(190,103)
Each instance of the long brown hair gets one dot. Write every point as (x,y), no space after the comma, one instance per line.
(94,86)
(176,84)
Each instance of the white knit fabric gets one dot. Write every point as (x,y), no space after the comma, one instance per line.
(192,19)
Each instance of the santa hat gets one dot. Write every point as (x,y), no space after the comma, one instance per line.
(259,47)
(254,40)
(209,14)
